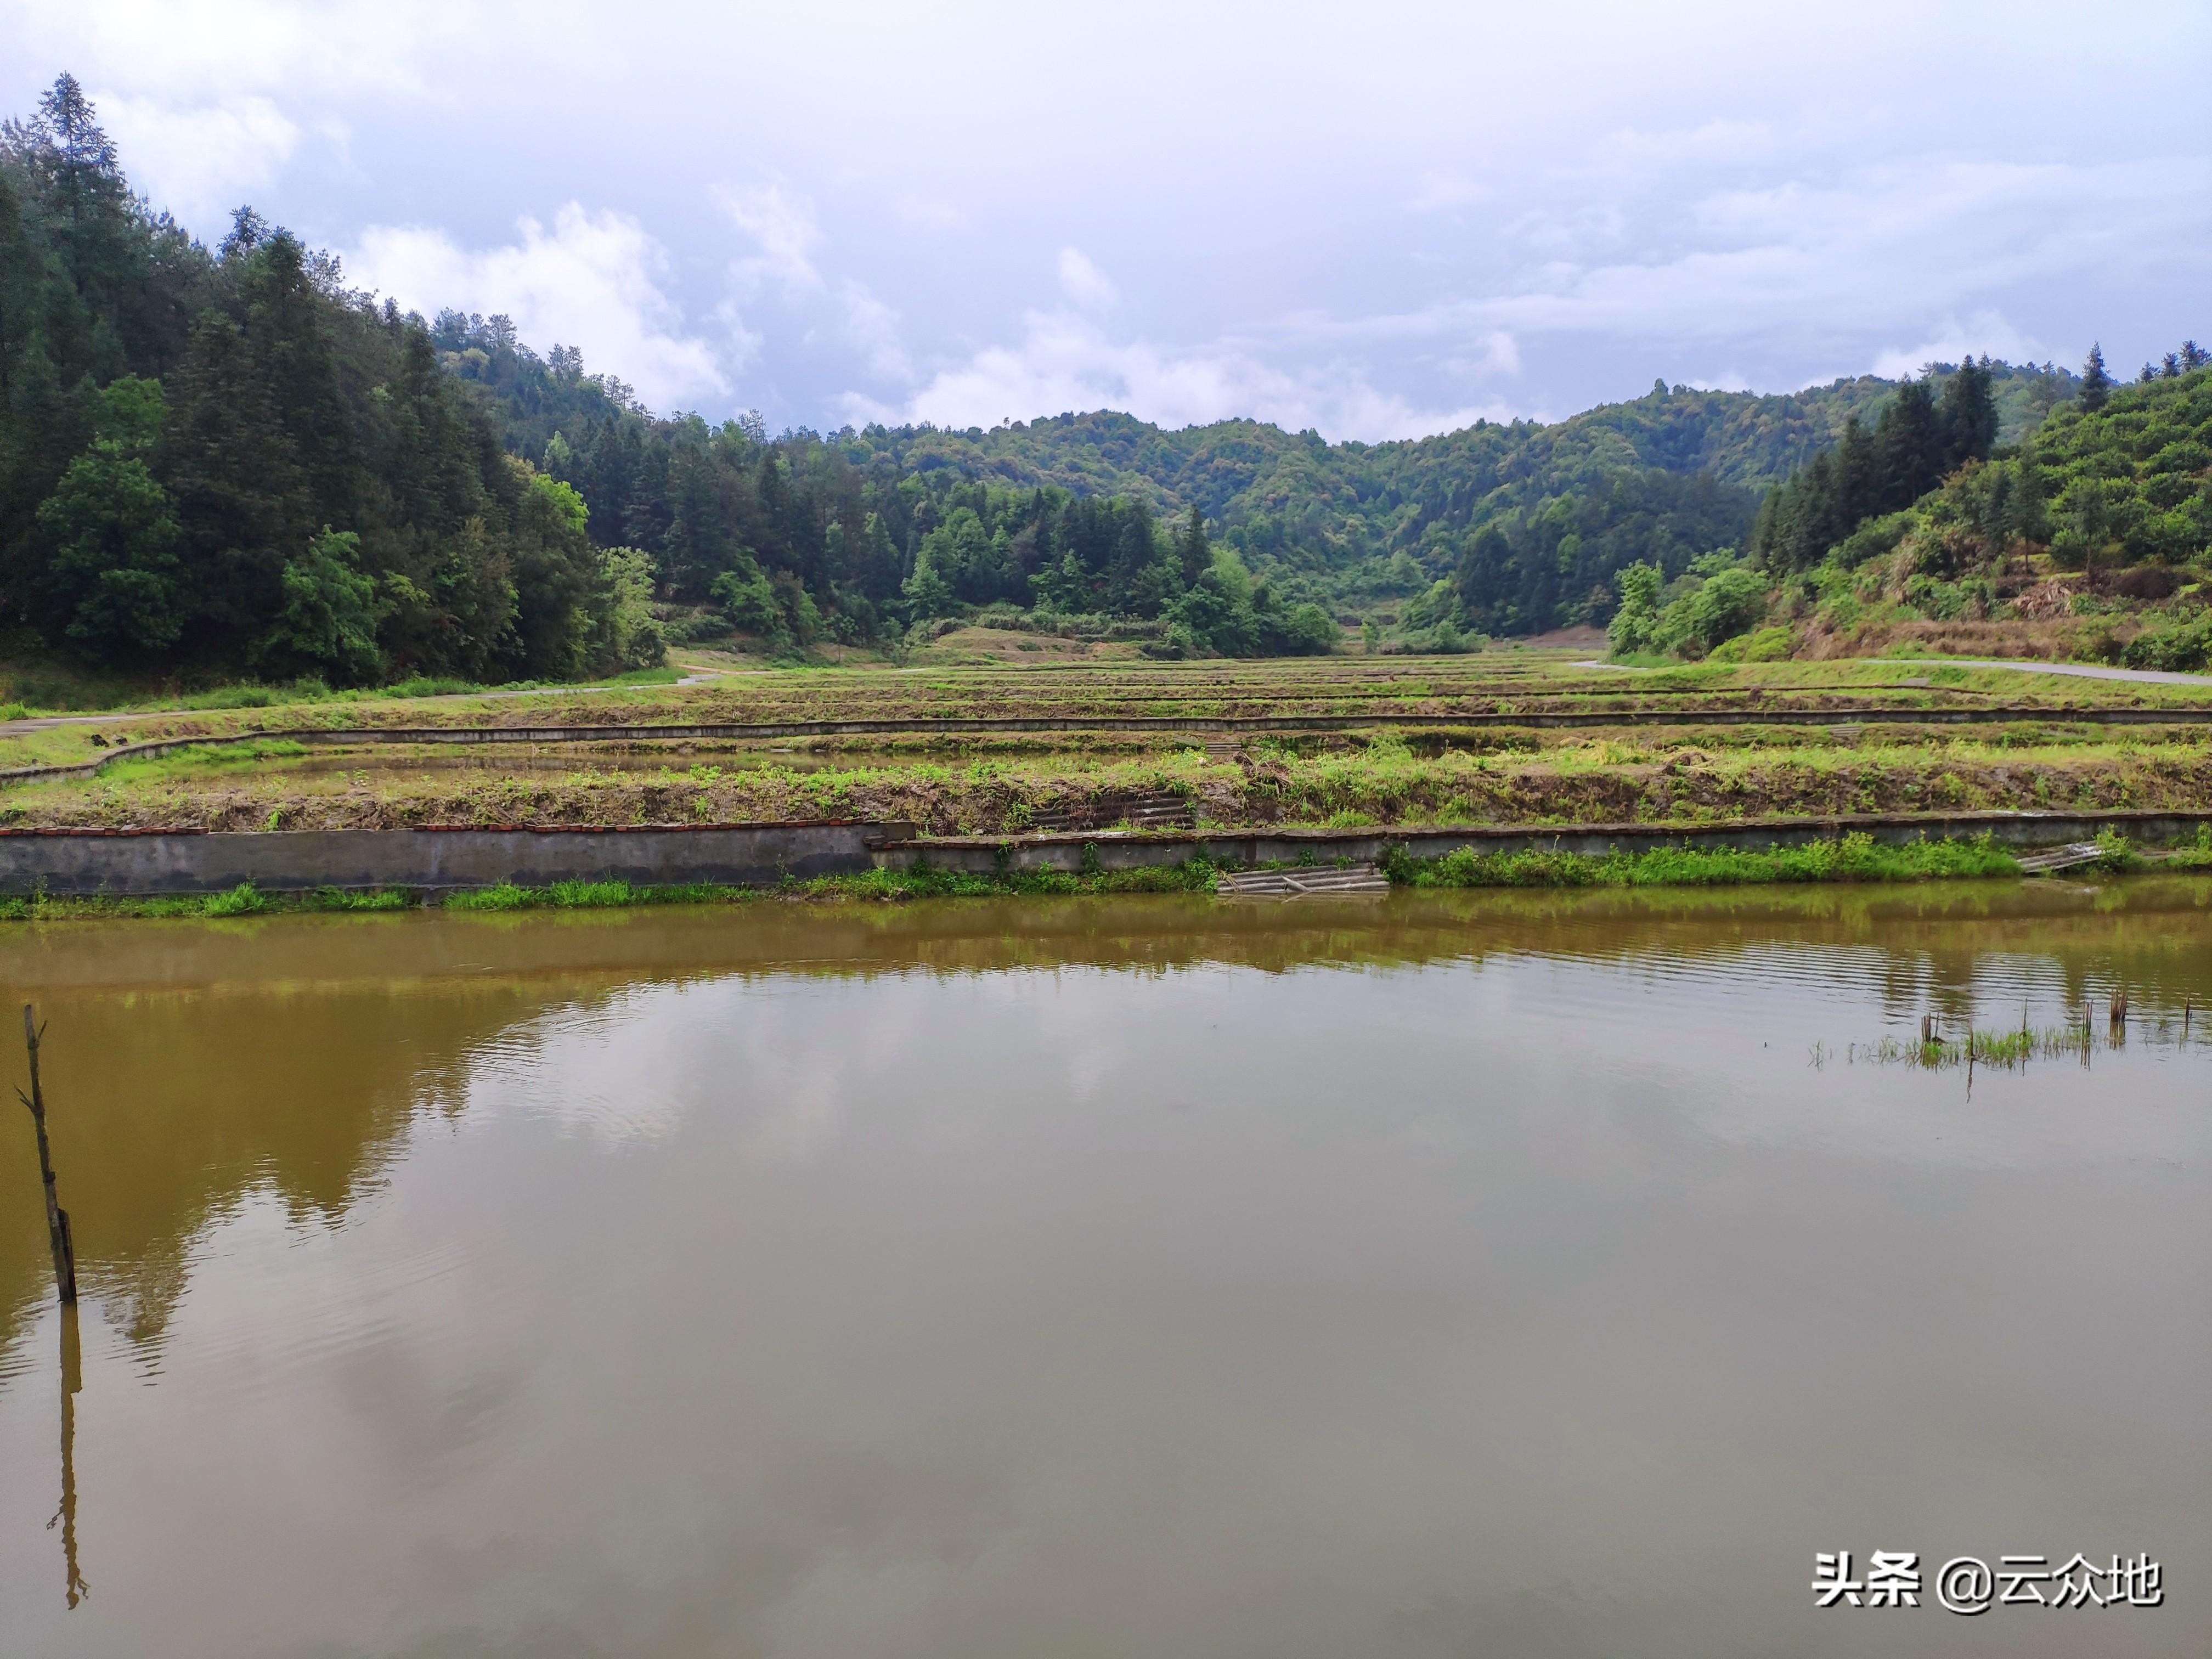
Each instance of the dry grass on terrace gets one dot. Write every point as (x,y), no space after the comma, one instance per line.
(999,785)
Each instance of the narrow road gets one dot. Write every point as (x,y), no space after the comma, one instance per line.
(2019,666)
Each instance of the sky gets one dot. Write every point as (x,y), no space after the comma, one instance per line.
(1377,222)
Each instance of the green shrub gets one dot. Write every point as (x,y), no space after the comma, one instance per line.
(2118,856)
(1767,645)
(242,899)
(2183,647)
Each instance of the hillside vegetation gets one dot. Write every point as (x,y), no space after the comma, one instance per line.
(1531,521)
(220,457)
(2090,538)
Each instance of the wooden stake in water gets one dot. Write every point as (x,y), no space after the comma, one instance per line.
(58,1221)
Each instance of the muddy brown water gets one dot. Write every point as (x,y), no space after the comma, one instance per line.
(1519,1274)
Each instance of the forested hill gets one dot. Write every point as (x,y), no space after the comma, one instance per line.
(1670,476)
(219,460)
(1675,473)
(1231,467)
(223,460)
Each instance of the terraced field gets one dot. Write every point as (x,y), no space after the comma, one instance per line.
(1501,736)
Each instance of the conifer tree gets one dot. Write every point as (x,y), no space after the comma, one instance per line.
(2096,384)
(1908,446)
(1967,416)
(1192,555)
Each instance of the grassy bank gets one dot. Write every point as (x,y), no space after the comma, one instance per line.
(1857,857)
(1854,858)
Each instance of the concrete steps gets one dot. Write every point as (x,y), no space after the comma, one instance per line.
(1294,882)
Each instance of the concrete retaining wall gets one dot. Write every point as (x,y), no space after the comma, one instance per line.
(982,854)
(171,861)
(133,862)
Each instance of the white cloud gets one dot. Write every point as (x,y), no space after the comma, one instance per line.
(785,232)
(1065,362)
(873,328)
(1626,186)
(928,213)
(1083,282)
(593,281)
(199,162)
(1446,189)
(1486,356)
(193,48)
(1984,333)
(1877,252)
(783,227)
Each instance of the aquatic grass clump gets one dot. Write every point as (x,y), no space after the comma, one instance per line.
(242,899)
(1854,857)
(590,896)
(506,895)
(248,900)
(2194,856)
(922,879)
(359,898)
(44,907)
(2006,1050)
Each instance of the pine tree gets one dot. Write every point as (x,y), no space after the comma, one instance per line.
(1967,415)
(2096,384)
(91,226)
(20,283)
(1858,474)
(1192,555)
(242,496)
(293,359)
(1909,447)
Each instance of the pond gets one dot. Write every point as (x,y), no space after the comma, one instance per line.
(1528,1274)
